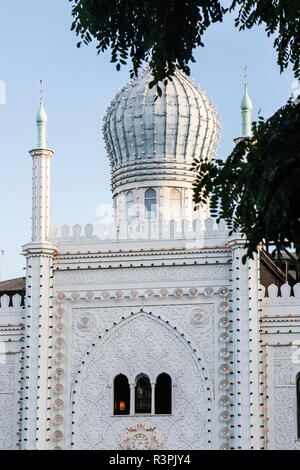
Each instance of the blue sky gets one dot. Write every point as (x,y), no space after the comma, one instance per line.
(36,43)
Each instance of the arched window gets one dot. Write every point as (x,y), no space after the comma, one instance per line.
(163,394)
(129,206)
(150,204)
(121,395)
(298,405)
(143,394)
(175,205)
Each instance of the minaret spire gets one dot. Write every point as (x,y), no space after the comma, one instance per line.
(39,254)
(41,121)
(246,107)
(41,157)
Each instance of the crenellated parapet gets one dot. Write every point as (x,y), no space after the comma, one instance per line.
(11,320)
(284,295)
(140,230)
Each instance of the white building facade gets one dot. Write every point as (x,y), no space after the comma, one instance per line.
(150,333)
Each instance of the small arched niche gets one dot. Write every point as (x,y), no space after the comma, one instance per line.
(175,204)
(129,206)
(163,394)
(143,394)
(121,395)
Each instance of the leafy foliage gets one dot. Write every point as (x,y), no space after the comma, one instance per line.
(282,18)
(256,190)
(163,33)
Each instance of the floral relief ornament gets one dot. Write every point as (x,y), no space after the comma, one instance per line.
(141,437)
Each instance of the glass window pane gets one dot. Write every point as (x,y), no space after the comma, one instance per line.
(129,206)
(121,395)
(150,204)
(143,395)
(163,394)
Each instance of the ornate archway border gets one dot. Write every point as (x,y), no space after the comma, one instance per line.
(198,361)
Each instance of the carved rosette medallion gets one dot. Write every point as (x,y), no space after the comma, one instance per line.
(141,437)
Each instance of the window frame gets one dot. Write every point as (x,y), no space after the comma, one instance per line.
(137,379)
(132,384)
(170,392)
(114,395)
(149,213)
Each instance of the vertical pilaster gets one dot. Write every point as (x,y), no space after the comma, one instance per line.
(40,194)
(254,339)
(37,332)
(153,398)
(245,342)
(39,255)
(132,398)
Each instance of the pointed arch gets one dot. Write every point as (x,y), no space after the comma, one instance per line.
(122,350)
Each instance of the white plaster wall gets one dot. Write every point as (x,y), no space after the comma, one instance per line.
(87,320)
(141,344)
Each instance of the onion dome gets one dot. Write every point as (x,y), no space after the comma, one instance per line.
(246,102)
(41,116)
(155,138)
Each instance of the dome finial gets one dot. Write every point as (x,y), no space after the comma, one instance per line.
(41,121)
(41,93)
(246,107)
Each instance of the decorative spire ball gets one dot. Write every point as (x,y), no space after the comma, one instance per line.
(41,121)
(246,106)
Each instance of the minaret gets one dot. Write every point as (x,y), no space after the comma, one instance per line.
(41,178)
(244,288)
(246,107)
(39,255)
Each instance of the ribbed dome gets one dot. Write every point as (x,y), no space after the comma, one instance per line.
(150,139)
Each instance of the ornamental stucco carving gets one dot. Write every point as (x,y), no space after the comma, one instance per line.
(145,344)
(283,366)
(141,437)
(285,414)
(90,323)
(7,401)
(139,275)
(285,399)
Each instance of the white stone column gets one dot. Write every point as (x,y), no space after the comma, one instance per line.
(245,345)
(152,398)
(132,398)
(255,344)
(39,257)
(40,193)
